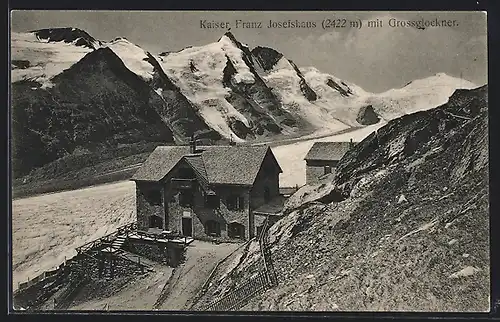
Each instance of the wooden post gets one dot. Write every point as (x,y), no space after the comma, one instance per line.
(112,266)
(101,264)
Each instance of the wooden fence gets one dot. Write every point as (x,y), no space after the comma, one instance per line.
(265,279)
(125,229)
(267,257)
(240,295)
(44,277)
(212,274)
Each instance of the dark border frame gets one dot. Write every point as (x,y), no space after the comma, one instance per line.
(492,9)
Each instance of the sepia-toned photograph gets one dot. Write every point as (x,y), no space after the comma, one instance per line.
(225,161)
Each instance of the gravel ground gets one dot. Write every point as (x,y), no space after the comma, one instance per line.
(140,294)
(201,259)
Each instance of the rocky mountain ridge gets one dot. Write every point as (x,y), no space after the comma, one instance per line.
(221,91)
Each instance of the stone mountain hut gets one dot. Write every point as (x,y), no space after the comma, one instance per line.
(207,191)
(323,157)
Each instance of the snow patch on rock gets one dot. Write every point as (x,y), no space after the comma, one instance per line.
(133,57)
(466,271)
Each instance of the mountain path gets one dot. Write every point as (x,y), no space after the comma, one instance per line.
(201,259)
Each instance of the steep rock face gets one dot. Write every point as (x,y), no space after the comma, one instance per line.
(222,82)
(412,230)
(68,35)
(304,87)
(260,121)
(266,57)
(97,103)
(259,105)
(367,116)
(337,87)
(403,225)
(175,109)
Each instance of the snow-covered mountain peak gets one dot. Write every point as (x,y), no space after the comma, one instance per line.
(228,36)
(41,55)
(134,57)
(232,90)
(418,95)
(319,79)
(439,82)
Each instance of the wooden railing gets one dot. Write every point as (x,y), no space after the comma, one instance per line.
(161,237)
(122,230)
(210,278)
(265,279)
(45,276)
(125,229)
(240,295)
(266,255)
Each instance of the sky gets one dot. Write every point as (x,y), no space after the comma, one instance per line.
(375,58)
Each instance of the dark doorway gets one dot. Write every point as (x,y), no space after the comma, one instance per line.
(187,227)
(236,230)
(155,222)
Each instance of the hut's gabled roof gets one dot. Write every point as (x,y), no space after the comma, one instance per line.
(237,164)
(160,162)
(328,151)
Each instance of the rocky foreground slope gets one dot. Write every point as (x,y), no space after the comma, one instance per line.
(403,225)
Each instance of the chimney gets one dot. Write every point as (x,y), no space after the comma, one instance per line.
(192,145)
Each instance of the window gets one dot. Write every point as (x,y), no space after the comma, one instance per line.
(153,197)
(235,202)
(212,228)
(155,222)
(328,169)
(212,201)
(236,230)
(186,198)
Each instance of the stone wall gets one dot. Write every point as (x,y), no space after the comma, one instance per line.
(171,256)
(200,213)
(145,208)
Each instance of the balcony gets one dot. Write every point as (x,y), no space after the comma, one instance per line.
(181,183)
